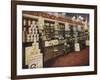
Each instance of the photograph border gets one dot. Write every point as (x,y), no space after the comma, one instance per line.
(14,38)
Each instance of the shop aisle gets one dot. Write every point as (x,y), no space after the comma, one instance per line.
(72,59)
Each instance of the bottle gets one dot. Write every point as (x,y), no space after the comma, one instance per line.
(32,37)
(29,23)
(28,37)
(24,22)
(24,33)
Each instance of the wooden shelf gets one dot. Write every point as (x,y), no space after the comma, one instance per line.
(26,44)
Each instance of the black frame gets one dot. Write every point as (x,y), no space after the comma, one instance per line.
(14,39)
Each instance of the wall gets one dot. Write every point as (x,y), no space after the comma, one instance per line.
(5,36)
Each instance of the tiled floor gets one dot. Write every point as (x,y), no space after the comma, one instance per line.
(80,58)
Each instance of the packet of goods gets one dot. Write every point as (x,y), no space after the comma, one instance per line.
(36,62)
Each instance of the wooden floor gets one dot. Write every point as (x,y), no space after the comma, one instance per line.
(80,58)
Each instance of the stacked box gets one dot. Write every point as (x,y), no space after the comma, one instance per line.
(33,34)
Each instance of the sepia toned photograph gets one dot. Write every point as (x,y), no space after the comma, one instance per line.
(53,39)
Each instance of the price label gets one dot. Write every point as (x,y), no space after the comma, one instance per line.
(77,47)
